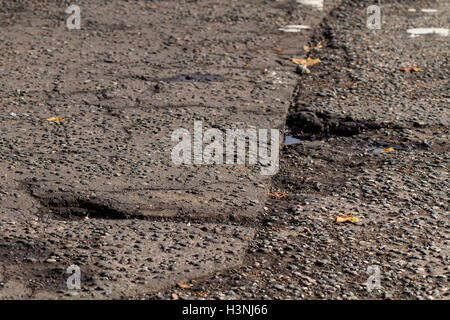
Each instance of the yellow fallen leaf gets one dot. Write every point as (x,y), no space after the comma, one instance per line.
(318,46)
(183,286)
(55,119)
(349,218)
(388,149)
(306,62)
(86,218)
(255,275)
(278,194)
(410,69)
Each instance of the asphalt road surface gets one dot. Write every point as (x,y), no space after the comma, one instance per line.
(87,171)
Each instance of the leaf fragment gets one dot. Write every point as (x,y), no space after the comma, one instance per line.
(55,119)
(306,62)
(344,218)
(183,286)
(253,275)
(387,150)
(410,69)
(277,194)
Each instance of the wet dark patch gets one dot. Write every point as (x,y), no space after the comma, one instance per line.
(25,260)
(380,147)
(195,77)
(19,251)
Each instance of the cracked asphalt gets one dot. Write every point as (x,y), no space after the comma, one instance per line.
(100,190)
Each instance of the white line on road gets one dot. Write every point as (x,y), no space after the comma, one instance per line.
(314,3)
(428,10)
(420,31)
(293,28)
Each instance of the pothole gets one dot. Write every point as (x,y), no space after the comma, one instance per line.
(67,207)
(315,125)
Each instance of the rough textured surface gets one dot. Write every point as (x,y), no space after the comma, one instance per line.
(117,258)
(134,73)
(99,189)
(352,106)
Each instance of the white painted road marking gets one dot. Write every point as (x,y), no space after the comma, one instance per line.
(293,28)
(421,31)
(428,10)
(314,3)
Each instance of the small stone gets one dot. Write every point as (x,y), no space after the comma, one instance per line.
(279,287)
(387,295)
(301,69)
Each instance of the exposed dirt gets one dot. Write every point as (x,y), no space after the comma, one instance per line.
(30,264)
